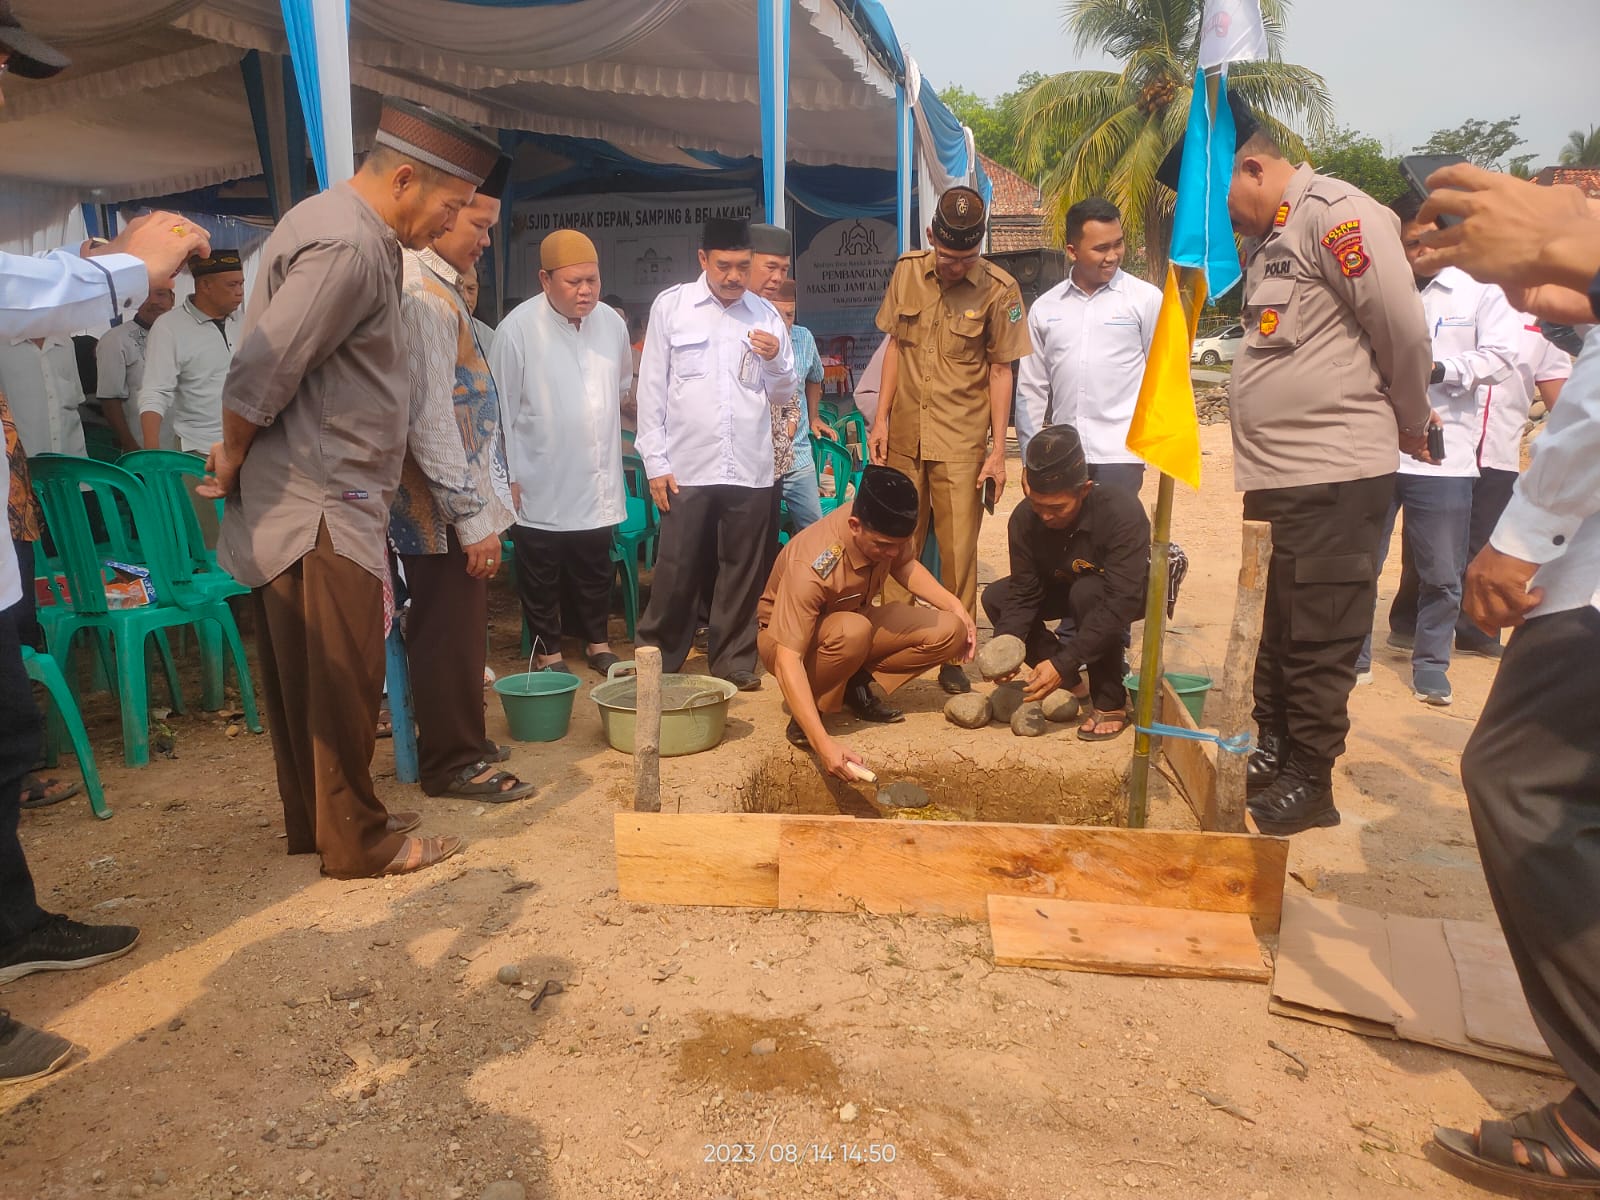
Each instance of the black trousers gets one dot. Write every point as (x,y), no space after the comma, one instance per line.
(1321,588)
(720,524)
(29,631)
(19,750)
(1074,599)
(1532,776)
(1123,475)
(1491,492)
(571,569)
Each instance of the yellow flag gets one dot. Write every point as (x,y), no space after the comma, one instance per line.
(1165,431)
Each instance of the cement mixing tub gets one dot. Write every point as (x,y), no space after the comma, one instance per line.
(694,710)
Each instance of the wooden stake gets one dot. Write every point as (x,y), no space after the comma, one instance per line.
(1231,711)
(647,731)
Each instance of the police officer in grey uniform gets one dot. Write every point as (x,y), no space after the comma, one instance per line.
(1333,373)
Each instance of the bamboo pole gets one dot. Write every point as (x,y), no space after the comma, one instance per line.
(647,731)
(1232,702)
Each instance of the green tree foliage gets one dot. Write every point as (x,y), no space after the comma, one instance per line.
(1088,133)
(1582,149)
(993,122)
(1356,158)
(1477,141)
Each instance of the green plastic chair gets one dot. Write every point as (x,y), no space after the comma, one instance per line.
(828,411)
(845,473)
(166,474)
(843,425)
(121,633)
(42,669)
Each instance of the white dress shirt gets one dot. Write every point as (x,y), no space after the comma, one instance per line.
(705,398)
(60,292)
(42,387)
(1087,363)
(186,363)
(1554,515)
(1475,338)
(561,392)
(1505,408)
(119,361)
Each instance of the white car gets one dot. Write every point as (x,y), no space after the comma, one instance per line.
(1219,347)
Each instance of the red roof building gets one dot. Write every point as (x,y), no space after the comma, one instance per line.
(1587,178)
(1016,218)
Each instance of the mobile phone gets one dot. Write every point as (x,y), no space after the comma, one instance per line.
(988,496)
(1418,167)
(1436,443)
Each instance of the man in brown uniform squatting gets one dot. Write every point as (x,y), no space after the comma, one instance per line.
(955,326)
(823,638)
(313,437)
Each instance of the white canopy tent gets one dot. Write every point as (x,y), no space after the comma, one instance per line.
(167,96)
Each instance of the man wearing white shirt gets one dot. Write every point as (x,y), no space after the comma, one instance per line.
(1091,333)
(187,357)
(119,365)
(563,364)
(40,379)
(1474,347)
(717,360)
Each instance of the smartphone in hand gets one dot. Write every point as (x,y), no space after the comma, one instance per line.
(1436,443)
(1417,167)
(988,496)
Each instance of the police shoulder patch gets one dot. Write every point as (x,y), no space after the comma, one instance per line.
(1345,243)
(825,562)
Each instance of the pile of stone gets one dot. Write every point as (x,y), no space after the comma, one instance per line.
(1002,657)
(1211,405)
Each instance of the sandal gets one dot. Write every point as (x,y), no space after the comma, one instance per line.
(1491,1153)
(601,663)
(38,792)
(385,722)
(467,786)
(403,822)
(1089,731)
(416,853)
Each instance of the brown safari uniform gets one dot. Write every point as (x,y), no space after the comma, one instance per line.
(948,337)
(818,603)
(1335,363)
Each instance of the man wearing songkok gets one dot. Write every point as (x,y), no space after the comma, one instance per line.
(313,438)
(824,638)
(955,326)
(1079,550)
(119,358)
(187,357)
(565,366)
(448,514)
(717,360)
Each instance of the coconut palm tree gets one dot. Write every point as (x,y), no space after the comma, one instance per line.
(1582,149)
(1104,133)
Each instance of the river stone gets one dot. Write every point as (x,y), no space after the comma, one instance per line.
(902,793)
(970,711)
(1061,705)
(1028,721)
(1001,656)
(1005,700)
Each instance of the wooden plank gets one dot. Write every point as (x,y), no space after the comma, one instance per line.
(1229,708)
(1194,763)
(647,730)
(1124,939)
(835,864)
(698,858)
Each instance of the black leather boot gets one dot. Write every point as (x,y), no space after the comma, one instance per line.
(1297,800)
(860,699)
(1266,762)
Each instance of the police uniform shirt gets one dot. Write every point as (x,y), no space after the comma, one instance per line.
(1505,413)
(1475,340)
(1336,350)
(1111,539)
(819,573)
(1088,360)
(948,336)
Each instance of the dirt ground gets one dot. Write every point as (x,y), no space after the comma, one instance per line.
(277,1034)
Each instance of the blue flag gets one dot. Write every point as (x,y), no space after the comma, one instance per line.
(1202,234)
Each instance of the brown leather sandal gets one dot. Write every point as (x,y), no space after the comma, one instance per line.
(403,822)
(417,853)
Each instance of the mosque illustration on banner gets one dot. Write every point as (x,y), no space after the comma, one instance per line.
(856,241)
(653,270)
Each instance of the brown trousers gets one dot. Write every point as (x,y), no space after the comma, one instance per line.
(320,629)
(445,650)
(948,497)
(896,642)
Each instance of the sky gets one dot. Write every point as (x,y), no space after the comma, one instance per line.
(1397,69)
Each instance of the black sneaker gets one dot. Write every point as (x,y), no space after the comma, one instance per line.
(59,944)
(27,1053)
